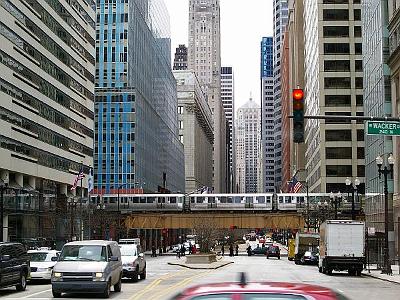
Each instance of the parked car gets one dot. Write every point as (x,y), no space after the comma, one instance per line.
(88,267)
(42,264)
(258,290)
(259,250)
(14,265)
(273,251)
(310,258)
(133,262)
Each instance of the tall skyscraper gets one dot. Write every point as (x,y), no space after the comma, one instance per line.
(47,55)
(280,21)
(267,114)
(195,131)
(248,140)
(180,58)
(334,86)
(204,58)
(136,139)
(228,101)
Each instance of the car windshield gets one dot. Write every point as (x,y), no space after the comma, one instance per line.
(128,250)
(83,253)
(40,256)
(308,253)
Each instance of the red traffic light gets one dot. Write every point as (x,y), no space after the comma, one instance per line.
(298,94)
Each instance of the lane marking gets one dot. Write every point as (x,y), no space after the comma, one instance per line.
(34,294)
(179,284)
(155,283)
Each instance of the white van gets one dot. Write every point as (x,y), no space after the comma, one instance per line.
(87,267)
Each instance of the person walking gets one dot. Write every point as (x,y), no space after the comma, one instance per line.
(237,250)
(190,248)
(231,250)
(153,251)
(249,250)
(222,250)
(183,250)
(178,252)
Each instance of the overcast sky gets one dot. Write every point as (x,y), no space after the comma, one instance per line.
(243,24)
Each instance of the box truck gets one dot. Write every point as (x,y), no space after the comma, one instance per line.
(341,246)
(305,242)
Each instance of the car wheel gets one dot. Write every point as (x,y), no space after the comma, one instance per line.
(279,257)
(358,272)
(21,286)
(329,272)
(106,293)
(135,275)
(267,257)
(56,294)
(143,274)
(320,269)
(117,287)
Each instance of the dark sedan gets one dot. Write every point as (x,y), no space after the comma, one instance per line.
(259,250)
(273,251)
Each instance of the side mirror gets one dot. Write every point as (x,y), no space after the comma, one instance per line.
(141,255)
(54,258)
(5,257)
(114,258)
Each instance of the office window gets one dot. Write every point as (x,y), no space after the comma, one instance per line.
(357,14)
(338,153)
(336,48)
(357,31)
(337,82)
(359,82)
(336,14)
(337,66)
(336,31)
(339,170)
(337,135)
(337,100)
(358,65)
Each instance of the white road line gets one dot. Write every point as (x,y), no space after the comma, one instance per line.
(38,293)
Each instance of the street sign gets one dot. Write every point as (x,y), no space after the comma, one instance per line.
(382,128)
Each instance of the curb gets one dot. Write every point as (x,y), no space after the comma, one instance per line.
(194,267)
(379,278)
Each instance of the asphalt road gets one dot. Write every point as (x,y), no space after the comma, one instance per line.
(164,280)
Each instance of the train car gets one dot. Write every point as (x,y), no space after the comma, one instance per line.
(230,201)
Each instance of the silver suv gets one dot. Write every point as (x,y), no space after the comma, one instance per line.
(87,267)
(133,261)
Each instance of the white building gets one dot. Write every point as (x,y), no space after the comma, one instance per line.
(204,58)
(248,145)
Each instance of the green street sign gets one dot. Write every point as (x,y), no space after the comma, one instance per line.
(382,128)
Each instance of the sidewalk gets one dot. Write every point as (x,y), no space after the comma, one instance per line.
(395,278)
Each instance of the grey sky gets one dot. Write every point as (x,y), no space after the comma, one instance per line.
(243,24)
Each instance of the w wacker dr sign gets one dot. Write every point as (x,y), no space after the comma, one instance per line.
(382,127)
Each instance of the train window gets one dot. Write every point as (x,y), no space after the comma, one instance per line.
(260,199)
(113,200)
(172,200)
(237,199)
(249,199)
(268,199)
(223,199)
(288,199)
(105,200)
(229,199)
(280,199)
(200,199)
(300,199)
(150,200)
(211,199)
(142,200)
(192,199)
(135,199)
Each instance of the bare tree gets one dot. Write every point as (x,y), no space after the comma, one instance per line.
(205,228)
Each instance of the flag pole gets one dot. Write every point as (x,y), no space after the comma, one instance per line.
(80,205)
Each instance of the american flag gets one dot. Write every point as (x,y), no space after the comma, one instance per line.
(294,185)
(78,177)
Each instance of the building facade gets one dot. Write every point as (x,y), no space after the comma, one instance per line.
(136,130)
(228,101)
(195,131)
(334,85)
(391,10)
(267,114)
(180,58)
(204,58)
(280,14)
(47,51)
(248,140)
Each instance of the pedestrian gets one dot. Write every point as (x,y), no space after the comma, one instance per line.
(178,252)
(231,250)
(249,250)
(190,248)
(237,250)
(194,250)
(153,251)
(160,251)
(222,250)
(165,248)
(183,250)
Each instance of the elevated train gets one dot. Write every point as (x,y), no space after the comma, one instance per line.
(231,202)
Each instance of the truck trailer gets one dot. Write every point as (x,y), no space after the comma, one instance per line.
(305,242)
(341,246)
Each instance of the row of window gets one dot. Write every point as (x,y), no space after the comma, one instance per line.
(38,83)
(43,134)
(340,31)
(342,135)
(342,48)
(340,14)
(343,153)
(344,170)
(342,83)
(342,66)
(342,100)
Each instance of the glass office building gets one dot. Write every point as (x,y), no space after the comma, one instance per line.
(136,128)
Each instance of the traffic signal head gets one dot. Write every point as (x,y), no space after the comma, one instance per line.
(298,115)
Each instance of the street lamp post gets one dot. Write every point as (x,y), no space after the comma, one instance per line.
(387,269)
(336,200)
(72,205)
(353,188)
